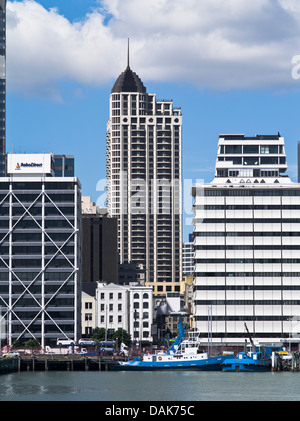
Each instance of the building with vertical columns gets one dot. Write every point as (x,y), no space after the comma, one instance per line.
(40,251)
(144,180)
(2,87)
(246,242)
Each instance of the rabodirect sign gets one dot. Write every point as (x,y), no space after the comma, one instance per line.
(29,164)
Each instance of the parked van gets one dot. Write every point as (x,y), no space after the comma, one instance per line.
(65,342)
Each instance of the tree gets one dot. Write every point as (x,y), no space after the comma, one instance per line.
(98,334)
(32,343)
(121,335)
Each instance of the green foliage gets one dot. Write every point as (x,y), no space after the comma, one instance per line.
(120,335)
(32,343)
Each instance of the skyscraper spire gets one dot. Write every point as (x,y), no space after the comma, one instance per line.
(128,53)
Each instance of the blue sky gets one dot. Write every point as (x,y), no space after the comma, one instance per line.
(228,65)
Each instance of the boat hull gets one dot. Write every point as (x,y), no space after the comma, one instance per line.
(210,364)
(246,364)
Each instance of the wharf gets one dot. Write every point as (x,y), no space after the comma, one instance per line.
(44,362)
(8,365)
(286,361)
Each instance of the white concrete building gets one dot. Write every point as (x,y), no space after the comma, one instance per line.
(247,246)
(125,307)
(88,314)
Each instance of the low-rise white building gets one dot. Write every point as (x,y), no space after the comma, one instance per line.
(127,307)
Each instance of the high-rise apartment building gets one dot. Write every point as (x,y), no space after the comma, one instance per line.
(246,241)
(2,87)
(144,176)
(40,251)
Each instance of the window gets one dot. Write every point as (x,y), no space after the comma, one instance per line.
(269,160)
(250,149)
(229,149)
(251,160)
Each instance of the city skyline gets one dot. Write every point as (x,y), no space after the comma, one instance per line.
(226,80)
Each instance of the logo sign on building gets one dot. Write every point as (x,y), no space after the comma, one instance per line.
(29,164)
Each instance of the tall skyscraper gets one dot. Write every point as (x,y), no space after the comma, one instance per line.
(144,176)
(246,241)
(2,87)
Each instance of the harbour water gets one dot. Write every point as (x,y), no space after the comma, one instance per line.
(149,386)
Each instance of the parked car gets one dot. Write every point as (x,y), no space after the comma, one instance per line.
(11,354)
(86,342)
(65,342)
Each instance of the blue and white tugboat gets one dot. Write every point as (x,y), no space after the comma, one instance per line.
(184,354)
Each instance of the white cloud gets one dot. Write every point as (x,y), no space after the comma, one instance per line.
(210,43)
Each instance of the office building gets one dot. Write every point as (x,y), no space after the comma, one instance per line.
(40,251)
(99,244)
(64,165)
(247,247)
(2,87)
(144,174)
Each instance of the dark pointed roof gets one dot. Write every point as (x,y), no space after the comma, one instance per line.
(128,81)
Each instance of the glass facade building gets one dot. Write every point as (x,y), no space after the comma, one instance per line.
(40,258)
(2,87)
(64,165)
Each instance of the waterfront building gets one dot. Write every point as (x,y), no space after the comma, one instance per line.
(99,244)
(144,180)
(40,251)
(3,88)
(128,307)
(246,242)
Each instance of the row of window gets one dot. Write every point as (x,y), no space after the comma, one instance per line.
(248,192)
(246,207)
(120,295)
(243,261)
(251,149)
(247,234)
(251,160)
(136,305)
(249,302)
(248,247)
(246,287)
(247,220)
(248,274)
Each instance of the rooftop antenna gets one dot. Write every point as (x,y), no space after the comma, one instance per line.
(128,52)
